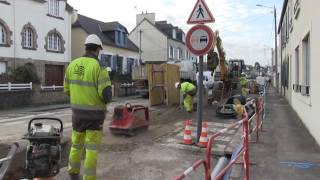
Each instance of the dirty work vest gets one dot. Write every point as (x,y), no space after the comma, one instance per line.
(85,81)
(243,81)
(187,87)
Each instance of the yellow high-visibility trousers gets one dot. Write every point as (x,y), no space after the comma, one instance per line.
(90,140)
(244,91)
(188,103)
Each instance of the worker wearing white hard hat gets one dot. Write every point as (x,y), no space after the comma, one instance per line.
(93,39)
(243,82)
(189,91)
(89,88)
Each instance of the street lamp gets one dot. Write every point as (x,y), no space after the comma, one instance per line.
(275,39)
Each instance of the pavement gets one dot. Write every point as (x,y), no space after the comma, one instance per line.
(287,150)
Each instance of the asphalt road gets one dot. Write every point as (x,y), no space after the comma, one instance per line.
(14,123)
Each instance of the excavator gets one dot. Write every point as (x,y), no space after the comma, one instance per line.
(226,76)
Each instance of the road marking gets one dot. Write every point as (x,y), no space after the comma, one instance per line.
(15,121)
(299,165)
(24,117)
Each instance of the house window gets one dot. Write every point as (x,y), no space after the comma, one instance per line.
(53,7)
(125,39)
(29,37)
(3,67)
(3,35)
(296,8)
(183,37)
(130,63)
(178,53)
(174,34)
(55,42)
(119,64)
(297,66)
(106,60)
(174,53)
(119,36)
(171,52)
(306,60)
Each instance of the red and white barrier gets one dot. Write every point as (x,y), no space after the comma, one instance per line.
(259,114)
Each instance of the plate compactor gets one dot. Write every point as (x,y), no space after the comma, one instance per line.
(129,119)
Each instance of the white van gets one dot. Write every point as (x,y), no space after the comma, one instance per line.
(208,79)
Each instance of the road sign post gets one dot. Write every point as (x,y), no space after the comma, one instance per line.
(199,41)
(200,100)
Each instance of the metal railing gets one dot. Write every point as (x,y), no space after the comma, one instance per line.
(16,86)
(53,87)
(259,115)
(5,162)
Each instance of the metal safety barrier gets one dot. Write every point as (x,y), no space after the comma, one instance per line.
(5,162)
(259,115)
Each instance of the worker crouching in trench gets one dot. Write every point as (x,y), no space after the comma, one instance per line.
(189,91)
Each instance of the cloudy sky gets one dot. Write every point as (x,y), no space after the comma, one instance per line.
(247,31)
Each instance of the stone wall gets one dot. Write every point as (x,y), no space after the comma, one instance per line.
(15,99)
(36,97)
(40,97)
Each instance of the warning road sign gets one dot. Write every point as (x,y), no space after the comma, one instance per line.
(200,14)
(199,39)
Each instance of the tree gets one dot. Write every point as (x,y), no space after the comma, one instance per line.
(25,74)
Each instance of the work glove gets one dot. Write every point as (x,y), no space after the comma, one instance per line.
(184,96)
(107,94)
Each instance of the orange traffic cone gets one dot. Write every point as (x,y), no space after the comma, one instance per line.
(203,141)
(187,136)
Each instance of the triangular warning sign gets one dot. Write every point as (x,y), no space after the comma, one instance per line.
(200,14)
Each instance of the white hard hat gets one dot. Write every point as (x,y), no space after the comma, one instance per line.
(108,69)
(243,73)
(177,84)
(93,39)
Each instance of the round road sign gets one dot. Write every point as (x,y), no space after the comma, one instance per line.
(199,39)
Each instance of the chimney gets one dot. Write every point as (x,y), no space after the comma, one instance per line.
(150,16)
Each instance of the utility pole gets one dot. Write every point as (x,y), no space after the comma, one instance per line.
(275,41)
(276,45)
(140,52)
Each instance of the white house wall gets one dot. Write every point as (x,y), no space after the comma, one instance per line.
(176,44)
(6,14)
(307,107)
(153,42)
(26,11)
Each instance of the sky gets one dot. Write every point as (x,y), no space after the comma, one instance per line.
(247,31)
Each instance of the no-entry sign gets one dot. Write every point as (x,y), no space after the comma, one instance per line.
(199,39)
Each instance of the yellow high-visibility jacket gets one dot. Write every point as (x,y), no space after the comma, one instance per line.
(85,82)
